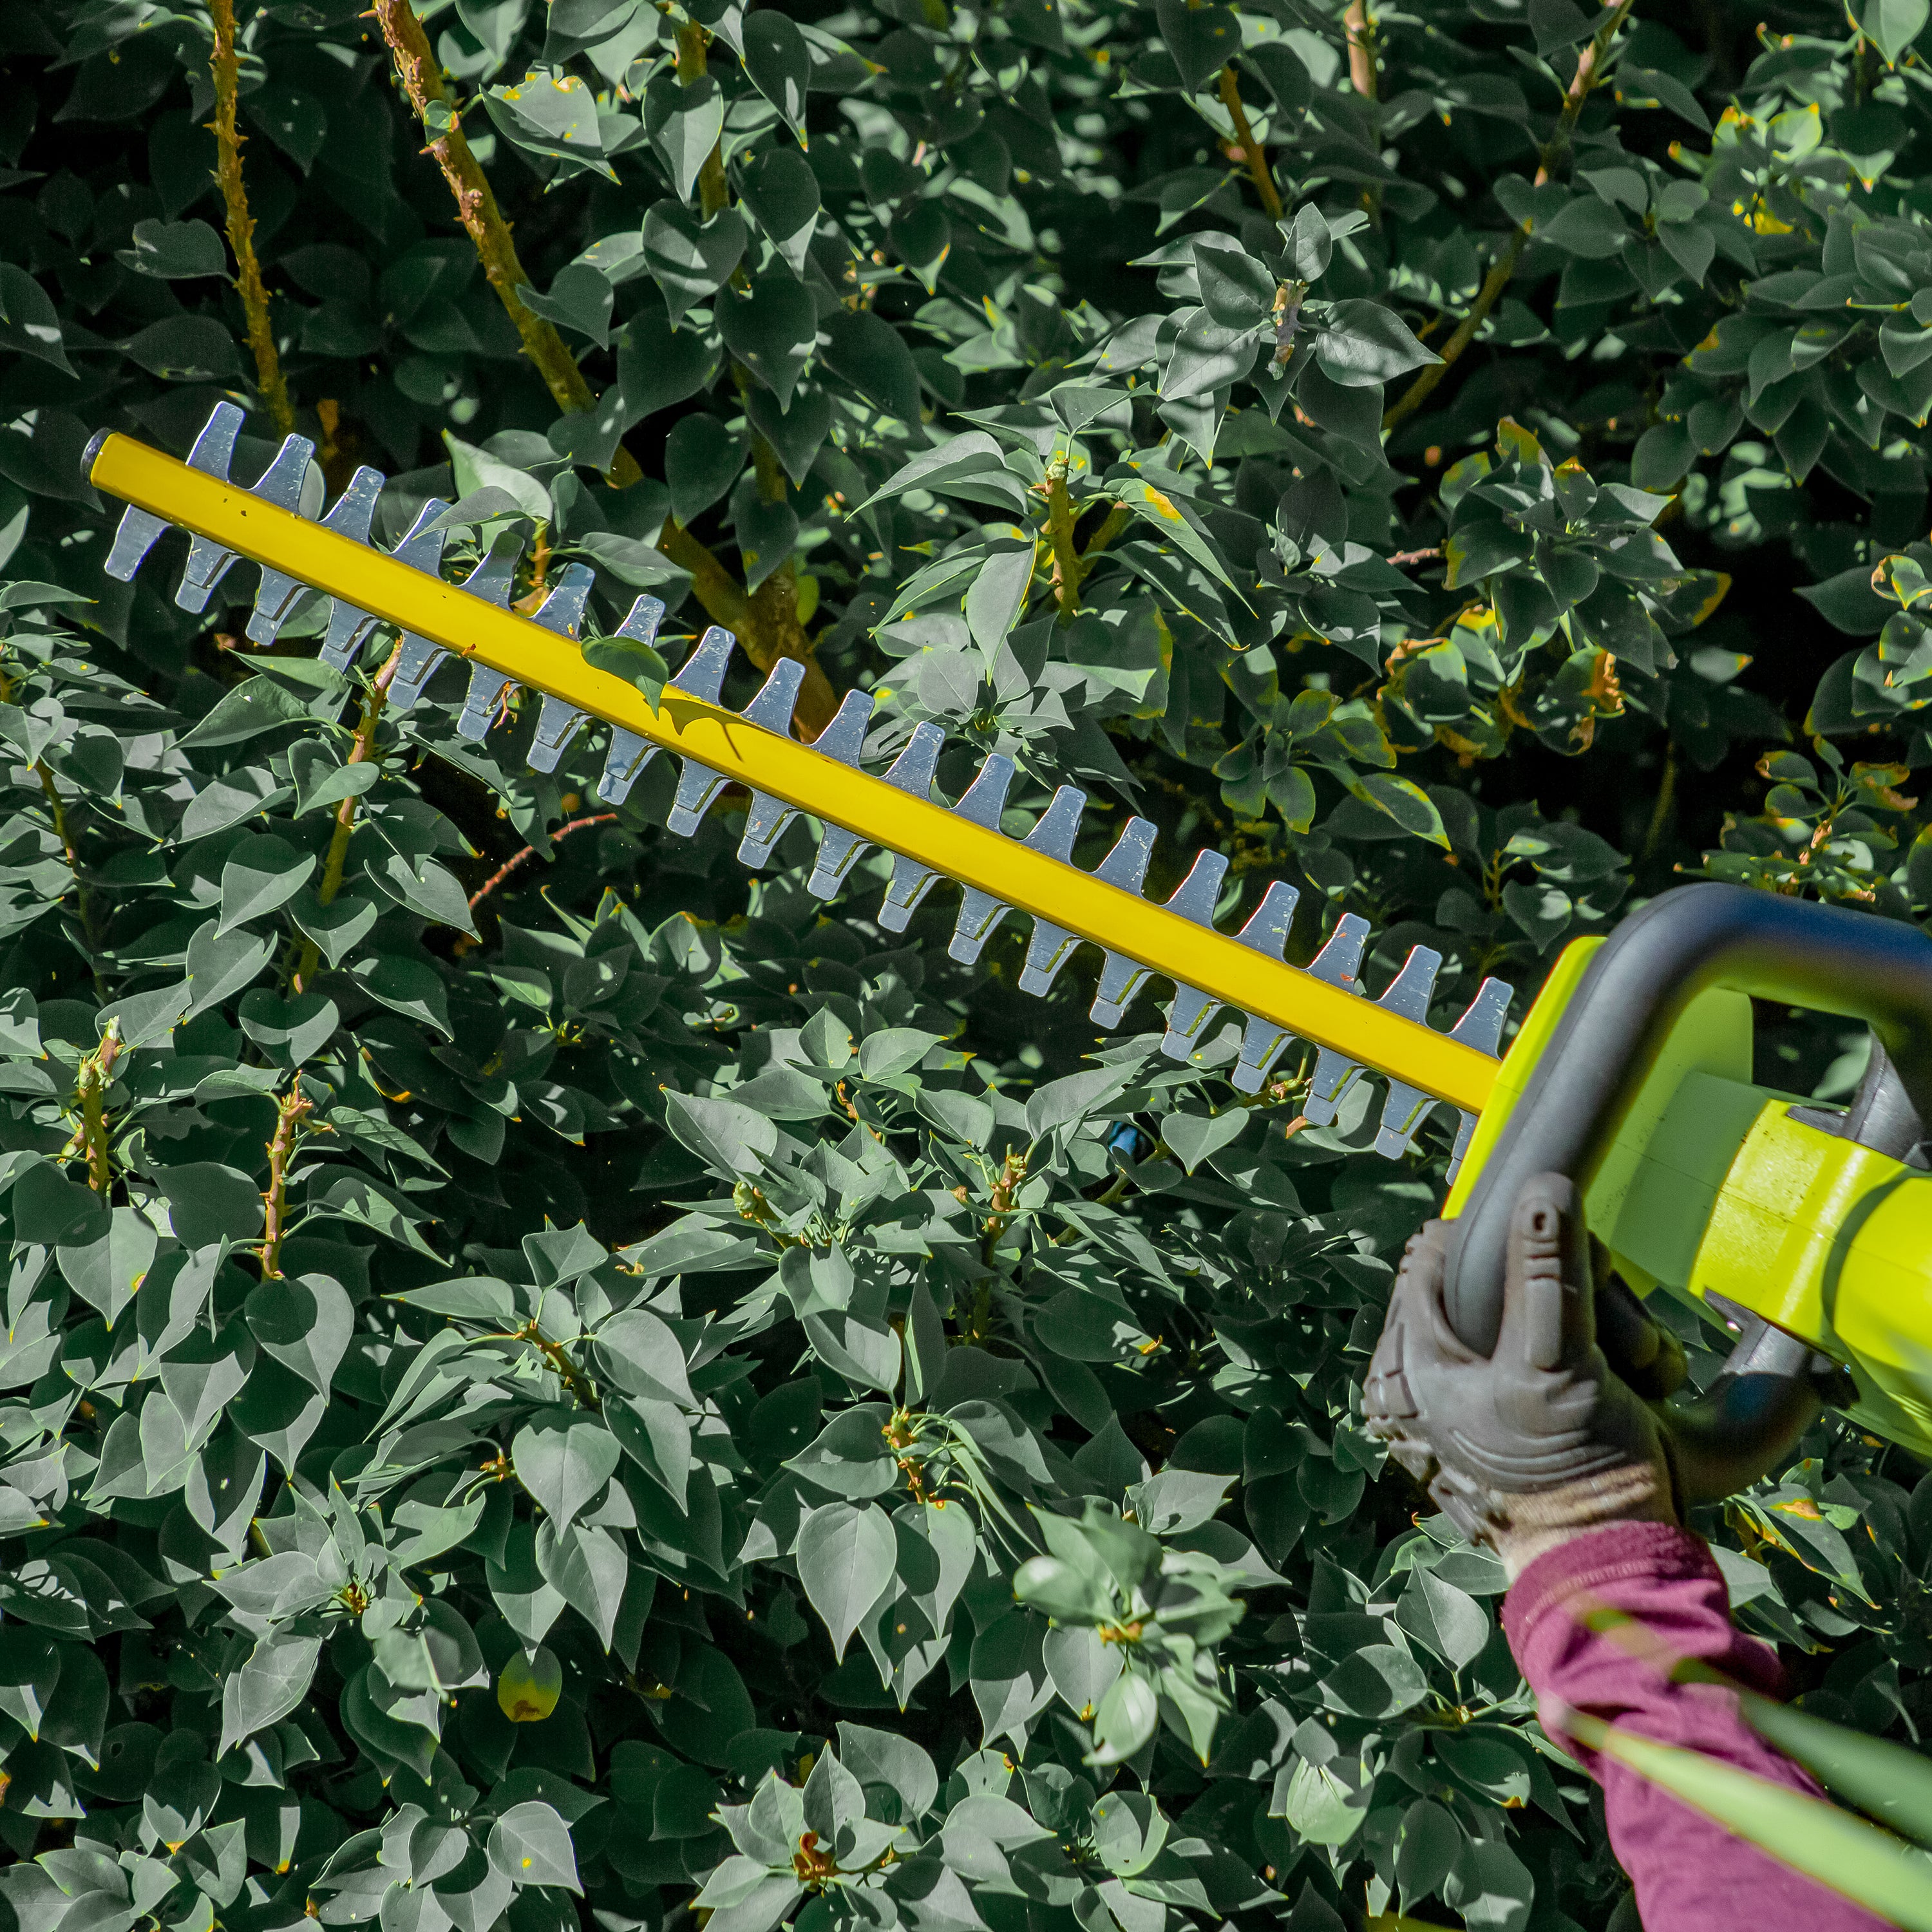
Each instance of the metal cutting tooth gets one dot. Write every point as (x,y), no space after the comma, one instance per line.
(840,850)
(1052,946)
(1121,978)
(1339,962)
(1407,1107)
(1481,1027)
(701,675)
(561,611)
(349,516)
(213,450)
(698,788)
(773,712)
(1262,1040)
(982,803)
(1407,995)
(628,753)
(844,738)
(491,581)
(280,484)
(1193,1009)
(1266,931)
(420,549)
(980,912)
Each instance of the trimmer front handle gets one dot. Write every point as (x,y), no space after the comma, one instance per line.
(1616,1024)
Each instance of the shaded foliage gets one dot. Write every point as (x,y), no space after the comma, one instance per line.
(633,1390)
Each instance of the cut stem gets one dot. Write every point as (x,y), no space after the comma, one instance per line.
(1589,71)
(248,283)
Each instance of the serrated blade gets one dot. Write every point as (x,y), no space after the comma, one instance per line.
(1053,837)
(1052,946)
(840,849)
(351,515)
(844,738)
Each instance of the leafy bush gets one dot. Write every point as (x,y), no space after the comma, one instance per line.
(546,1375)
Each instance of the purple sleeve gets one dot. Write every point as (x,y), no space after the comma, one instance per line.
(1689,1874)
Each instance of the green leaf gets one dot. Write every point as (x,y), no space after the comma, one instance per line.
(185,349)
(1127,1717)
(1239,291)
(771,331)
(1365,343)
(1426,1850)
(411,987)
(872,356)
(175,251)
(29,324)
(659,366)
(1200,39)
(782,192)
(256,705)
(846,1558)
(730,1138)
(529,1844)
(689,259)
(261,875)
(1892,25)
(1443,1619)
(683,123)
(779,63)
(564,1464)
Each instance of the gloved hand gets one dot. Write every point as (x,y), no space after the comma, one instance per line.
(1543,1440)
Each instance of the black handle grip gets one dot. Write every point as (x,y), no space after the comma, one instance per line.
(1633,993)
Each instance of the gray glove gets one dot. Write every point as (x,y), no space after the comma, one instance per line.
(1543,1441)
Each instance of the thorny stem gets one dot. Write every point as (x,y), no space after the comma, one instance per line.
(476,208)
(1067,566)
(1111,525)
(1589,71)
(529,852)
(766,621)
(1012,1176)
(228,139)
(294,1107)
(1251,148)
(335,863)
(96,1075)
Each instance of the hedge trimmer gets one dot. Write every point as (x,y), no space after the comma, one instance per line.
(438,621)
(1806,1231)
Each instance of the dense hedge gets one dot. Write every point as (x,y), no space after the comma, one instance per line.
(546,1375)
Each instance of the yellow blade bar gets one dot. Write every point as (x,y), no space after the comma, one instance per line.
(972,854)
